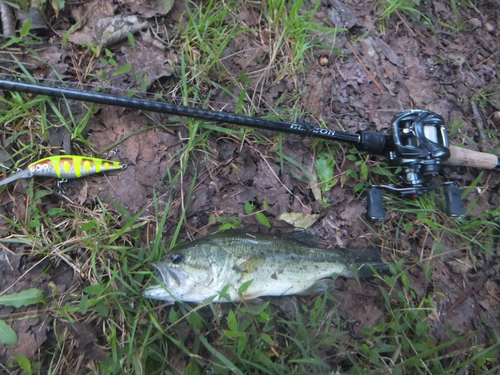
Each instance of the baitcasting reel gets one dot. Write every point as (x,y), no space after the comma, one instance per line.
(419,145)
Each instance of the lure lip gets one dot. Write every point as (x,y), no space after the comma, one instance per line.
(26,173)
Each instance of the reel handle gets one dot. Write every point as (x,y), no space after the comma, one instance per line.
(375,208)
(462,157)
(454,206)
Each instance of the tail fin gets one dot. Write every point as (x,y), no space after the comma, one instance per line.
(361,258)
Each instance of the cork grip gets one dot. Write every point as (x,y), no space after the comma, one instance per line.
(468,158)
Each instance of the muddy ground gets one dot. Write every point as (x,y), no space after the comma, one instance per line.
(453,73)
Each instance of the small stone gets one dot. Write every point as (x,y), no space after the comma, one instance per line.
(489,27)
(496,116)
(323,60)
(475,23)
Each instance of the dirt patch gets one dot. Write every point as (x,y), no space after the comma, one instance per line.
(32,324)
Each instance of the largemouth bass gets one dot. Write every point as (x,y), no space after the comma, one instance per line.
(278,266)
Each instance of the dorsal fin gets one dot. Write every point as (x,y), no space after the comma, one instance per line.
(304,237)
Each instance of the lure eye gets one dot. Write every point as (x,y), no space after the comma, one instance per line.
(38,167)
(177,258)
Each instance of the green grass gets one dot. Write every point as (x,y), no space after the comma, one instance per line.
(114,250)
(410,8)
(413,9)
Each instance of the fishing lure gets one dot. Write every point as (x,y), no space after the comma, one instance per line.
(65,167)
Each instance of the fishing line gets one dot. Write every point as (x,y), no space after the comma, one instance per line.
(374,142)
(132,92)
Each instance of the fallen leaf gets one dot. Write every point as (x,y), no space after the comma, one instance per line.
(150,8)
(111,30)
(382,47)
(90,12)
(82,195)
(149,60)
(81,37)
(342,15)
(314,185)
(299,220)
(352,211)
(250,16)
(38,24)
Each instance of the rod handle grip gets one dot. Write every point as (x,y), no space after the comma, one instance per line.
(468,158)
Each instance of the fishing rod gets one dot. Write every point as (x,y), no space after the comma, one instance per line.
(418,142)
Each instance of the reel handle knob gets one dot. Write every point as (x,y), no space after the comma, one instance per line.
(453,199)
(375,209)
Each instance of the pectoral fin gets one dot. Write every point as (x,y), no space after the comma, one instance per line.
(253,299)
(319,287)
(248,268)
(304,237)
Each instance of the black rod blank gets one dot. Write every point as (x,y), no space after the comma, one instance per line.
(180,110)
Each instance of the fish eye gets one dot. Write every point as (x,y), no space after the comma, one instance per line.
(38,167)
(177,258)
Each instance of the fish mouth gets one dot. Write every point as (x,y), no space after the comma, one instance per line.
(168,279)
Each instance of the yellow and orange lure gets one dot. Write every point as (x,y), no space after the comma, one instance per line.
(65,167)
